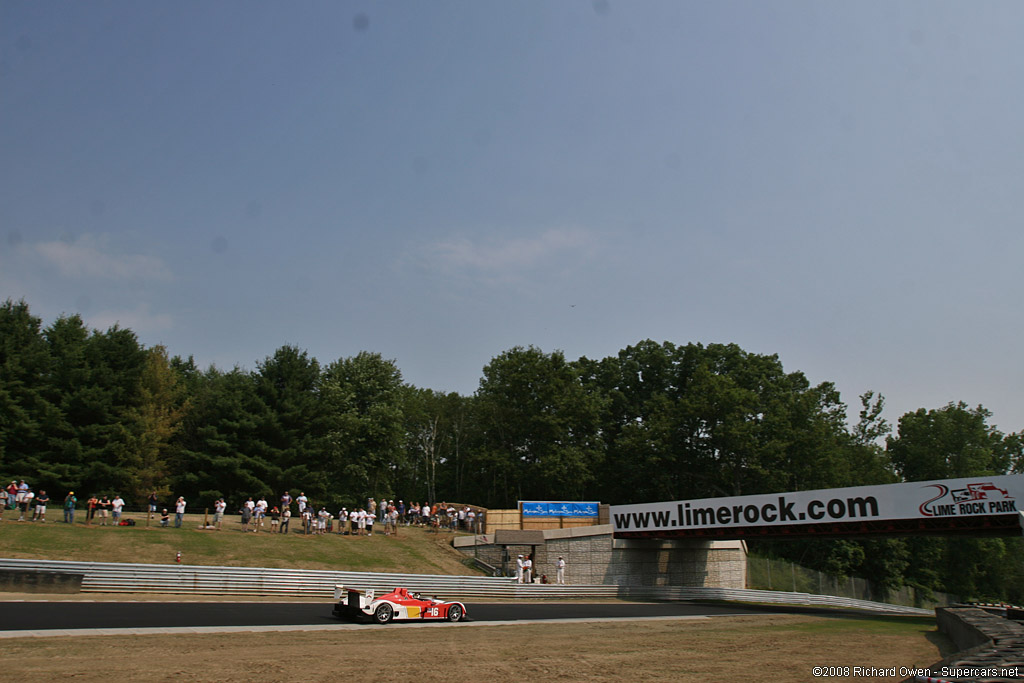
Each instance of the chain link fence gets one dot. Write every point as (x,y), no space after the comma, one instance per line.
(766,573)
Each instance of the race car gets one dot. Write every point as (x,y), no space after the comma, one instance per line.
(398,604)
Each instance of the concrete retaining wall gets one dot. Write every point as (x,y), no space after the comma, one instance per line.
(988,643)
(593,557)
(35,581)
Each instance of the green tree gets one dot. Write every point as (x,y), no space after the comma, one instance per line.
(218,451)
(149,428)
(541,430)
(951,442)
(25,411)
(363,396)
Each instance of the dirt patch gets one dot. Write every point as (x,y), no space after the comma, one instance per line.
(769,648)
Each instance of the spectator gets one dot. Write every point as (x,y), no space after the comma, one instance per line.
(248,510)
(179,512)
(260,513)
(27,496)
(286,517)
(302,501)
(40,512)
(69,507)
(218,513)
(520,566)
(528,569)
(369,524)
(560,571)
(286,500)
(153,502)
(12,494)
(91,506)
(103,506)
(275,518)
(117,504)
(165,518)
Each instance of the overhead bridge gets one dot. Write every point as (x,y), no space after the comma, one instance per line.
(980,506)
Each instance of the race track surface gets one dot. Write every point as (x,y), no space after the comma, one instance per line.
(41,616)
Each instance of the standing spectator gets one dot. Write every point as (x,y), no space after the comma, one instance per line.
(369,524)
(307,519)
(69,507)
(342,520)
(462,518)
(27,497)
(218,512)
(261,513)
(519,568)
(528,569)
(179,512)
(90,508)
(425,514)
(560,571)
(353,521)
(286,500)
(117,504)
(275,518)
(153,501)
(393,521)
(286,517)
(12,494)
(40,512)
(401,510)
(302,501)
(471,520)
(248,510)
(103,506)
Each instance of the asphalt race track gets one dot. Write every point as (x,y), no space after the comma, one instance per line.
(41,616)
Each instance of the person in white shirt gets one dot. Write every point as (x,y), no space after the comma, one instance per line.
(353,522)
(527,570)
(560,570)
(218,512)
(302,500)
(25,503)
(117,504)
(260,513)
(519,569)
(179,512)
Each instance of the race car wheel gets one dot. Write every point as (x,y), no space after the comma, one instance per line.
(383,614)
(454,613)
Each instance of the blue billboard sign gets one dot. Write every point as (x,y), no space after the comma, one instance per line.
(533,508)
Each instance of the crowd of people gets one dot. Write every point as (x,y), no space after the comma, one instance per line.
(256,515)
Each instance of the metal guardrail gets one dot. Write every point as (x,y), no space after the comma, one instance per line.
(105,577)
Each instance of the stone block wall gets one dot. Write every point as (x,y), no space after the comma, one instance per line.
(593,557)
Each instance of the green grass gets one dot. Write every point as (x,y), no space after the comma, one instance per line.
(413,551)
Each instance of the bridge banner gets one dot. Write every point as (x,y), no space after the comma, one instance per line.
(969,505)
(533,508)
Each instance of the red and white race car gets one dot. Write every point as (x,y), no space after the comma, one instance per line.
(398,604)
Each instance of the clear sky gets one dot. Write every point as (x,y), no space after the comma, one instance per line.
(838,183)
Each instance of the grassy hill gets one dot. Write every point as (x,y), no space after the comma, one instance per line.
(413,550)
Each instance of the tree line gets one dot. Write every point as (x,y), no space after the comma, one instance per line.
(97,412)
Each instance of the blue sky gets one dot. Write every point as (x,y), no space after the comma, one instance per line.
(840,184)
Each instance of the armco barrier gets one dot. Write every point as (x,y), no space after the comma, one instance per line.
(105,577)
